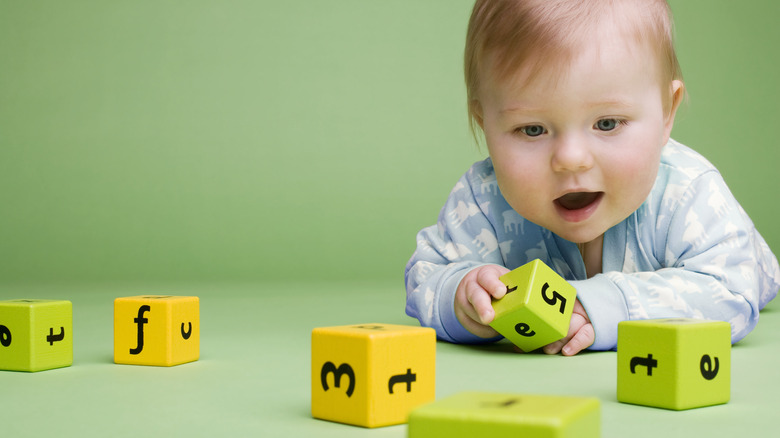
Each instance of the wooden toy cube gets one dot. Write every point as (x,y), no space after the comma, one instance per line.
(35,335)
(486,414)
(156,330)
(371,375)
(674,363)
(537,308)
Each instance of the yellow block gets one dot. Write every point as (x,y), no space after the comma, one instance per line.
(156,330)
(537,308)
(371,375)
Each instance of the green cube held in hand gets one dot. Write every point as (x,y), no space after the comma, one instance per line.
(537,308)
(35,335)
(674,363)
(478,414)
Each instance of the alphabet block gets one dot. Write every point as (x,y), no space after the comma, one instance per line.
(156,330)
(537,308)
(475,414)
(371,375)
(674,363)
(35,335)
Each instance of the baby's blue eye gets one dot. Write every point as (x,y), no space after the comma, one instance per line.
(607,124)
(533,130)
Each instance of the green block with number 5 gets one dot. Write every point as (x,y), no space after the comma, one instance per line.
(537,308)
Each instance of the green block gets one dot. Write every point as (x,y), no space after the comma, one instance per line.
(476,414)
(35,335)
(537,308)
(674,363)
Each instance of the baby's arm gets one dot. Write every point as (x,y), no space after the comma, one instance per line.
(701,257)
(463,239)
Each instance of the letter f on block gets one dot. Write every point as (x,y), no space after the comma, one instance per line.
(140,320)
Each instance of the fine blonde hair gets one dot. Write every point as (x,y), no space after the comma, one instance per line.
(505,35)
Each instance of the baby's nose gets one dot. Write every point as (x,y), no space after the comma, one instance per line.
(571,155)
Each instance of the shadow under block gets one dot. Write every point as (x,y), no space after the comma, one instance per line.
(674,363)
(485,414)
(371,375)
(156,330)
(35,335)
(537,308)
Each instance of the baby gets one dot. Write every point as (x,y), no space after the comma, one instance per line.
(576,100)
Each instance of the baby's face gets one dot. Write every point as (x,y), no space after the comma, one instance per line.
(580,154)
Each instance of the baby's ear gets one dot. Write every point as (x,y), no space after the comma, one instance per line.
(677,90)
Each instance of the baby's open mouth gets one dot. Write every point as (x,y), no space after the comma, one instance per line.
(578,200)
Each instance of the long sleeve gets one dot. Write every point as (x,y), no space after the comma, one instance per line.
(462,240)
(695,253)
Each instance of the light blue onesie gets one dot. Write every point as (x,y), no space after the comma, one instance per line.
(690,250)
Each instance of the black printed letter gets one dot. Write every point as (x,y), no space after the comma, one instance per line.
(648,362)
(5,336)
(140,321)
(407,378)
(186,335)
(52,338)
(337,373)
(707,370)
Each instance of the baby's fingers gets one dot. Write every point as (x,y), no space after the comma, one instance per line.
(481,304)
(488,279)
(581,340)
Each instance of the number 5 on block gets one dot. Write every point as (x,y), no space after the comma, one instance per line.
(537,308)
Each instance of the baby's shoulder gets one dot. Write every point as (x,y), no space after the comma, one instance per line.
(480,178)
(680,162)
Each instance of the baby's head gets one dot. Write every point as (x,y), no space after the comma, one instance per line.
(576,99)
(539,36)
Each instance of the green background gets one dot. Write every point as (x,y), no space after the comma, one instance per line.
(217,141)
(276,159)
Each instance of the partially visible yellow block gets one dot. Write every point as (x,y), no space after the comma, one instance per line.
(488,414)
(537,308)
(371,375)
(156,330)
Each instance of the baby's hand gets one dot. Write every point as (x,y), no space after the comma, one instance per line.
(580,336)
(473,299)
